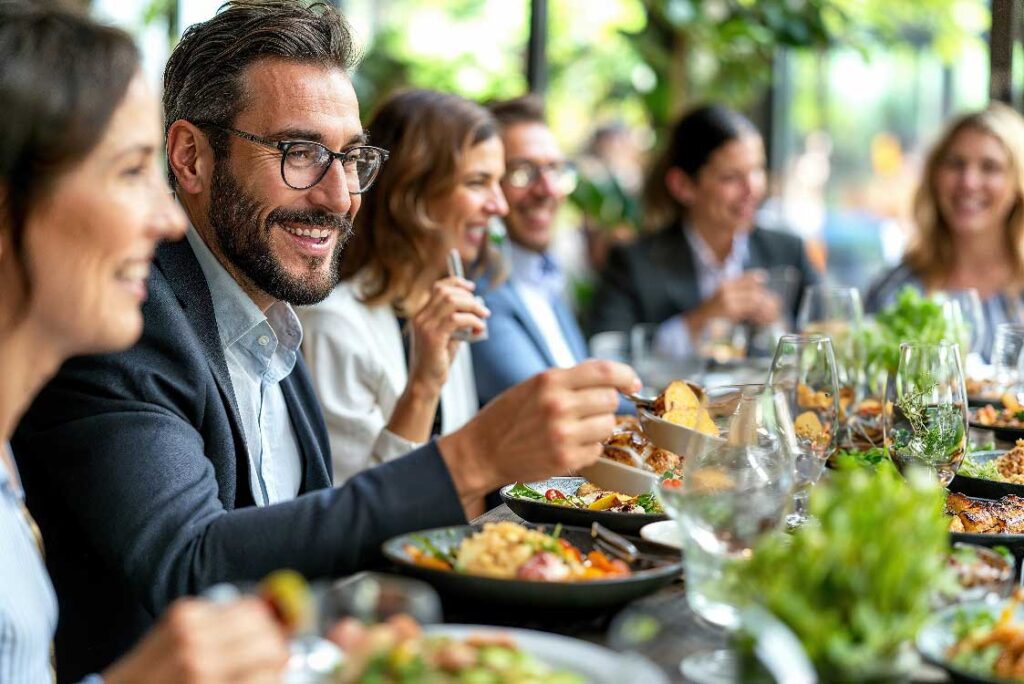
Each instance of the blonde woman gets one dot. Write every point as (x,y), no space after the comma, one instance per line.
(968,216)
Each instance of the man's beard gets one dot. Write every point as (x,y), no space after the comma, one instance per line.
(245,241)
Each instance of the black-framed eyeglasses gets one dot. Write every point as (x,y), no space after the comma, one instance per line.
(304,163)
(522,174)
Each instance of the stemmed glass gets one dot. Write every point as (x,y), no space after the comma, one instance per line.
(838,313)
(1006,358)
(731,493)
(804,372)
(970,324)
(925,414)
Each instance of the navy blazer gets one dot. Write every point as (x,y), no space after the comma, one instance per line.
(654,278)
(134,464)
(515,348)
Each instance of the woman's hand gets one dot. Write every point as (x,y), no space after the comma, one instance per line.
(451,307)
(200,642)
(741,300)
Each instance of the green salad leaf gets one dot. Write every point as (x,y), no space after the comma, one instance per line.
(521,491)
(649,502)
(911,318)
(861,457)
(982,471)
(844,582)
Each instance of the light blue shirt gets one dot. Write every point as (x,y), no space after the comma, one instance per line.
(28,606)
(673,336)
(541,287)
(260,350)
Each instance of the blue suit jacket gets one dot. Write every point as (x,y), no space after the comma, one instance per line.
(134,465)
(515,349)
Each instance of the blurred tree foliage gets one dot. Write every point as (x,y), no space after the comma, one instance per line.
(644,60)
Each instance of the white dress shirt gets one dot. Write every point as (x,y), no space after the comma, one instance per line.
(357,363)
(260,350)
(672,338)
(538,280)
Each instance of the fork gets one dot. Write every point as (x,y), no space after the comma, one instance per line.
(614,544)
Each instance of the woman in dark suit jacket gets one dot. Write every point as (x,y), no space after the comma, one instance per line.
(708,260)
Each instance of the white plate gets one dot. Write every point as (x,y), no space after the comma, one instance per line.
(664,532)
(598,665)
(619,477)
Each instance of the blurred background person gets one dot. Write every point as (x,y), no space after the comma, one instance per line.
(382,351)
(532,326)
(968,219)
(79,168)
(707,260)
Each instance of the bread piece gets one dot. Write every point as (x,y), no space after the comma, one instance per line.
(677,395)
(685,417)
(705,424)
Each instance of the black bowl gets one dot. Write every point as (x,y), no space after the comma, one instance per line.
(543,512)
(1001,434)
(649,574)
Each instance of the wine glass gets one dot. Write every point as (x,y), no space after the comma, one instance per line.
(1006,358)
(722,341)
(925,414)
(971,326)
(733,491)
(804,372)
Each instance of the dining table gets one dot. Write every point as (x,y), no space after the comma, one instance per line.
(660,627)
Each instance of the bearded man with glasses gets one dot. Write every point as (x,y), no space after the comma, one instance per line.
(532,326)
(201,455)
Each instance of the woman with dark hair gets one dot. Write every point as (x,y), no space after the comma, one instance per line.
(383,348)
(707,258)
(969,218)
(83,204)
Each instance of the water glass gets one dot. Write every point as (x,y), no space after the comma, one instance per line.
(804,372)
(1006,358)
(970,325)
(925,414)
(729,495)
(722,341)
(838,313)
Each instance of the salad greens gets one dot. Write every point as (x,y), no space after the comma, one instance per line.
(844,582)
(648,501)
(870,458)
(982,471)
(911,318)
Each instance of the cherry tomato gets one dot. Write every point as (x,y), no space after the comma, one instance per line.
(553,494)
(672,483)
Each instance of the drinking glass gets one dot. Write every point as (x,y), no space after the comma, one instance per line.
(838,313)
(1006,358)
(925,414)
(804,372)
(970,326)
(722,341)
(731,492)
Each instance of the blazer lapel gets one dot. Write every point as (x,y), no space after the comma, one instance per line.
(521,313)
(179,265)
(677,271)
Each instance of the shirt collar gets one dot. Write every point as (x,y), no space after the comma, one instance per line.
(534,268)
(235,311)
(706,257)
(7,481)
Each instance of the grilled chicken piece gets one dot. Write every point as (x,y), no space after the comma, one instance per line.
(1005,516)
(661,460)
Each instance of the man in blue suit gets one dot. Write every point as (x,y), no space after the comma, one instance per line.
(531,327)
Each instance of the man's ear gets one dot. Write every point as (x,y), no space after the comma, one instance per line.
(190,157)
(680,186)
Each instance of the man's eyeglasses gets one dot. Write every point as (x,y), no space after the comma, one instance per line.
(304,163)
(523,174)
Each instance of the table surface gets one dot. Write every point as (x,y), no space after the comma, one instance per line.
(682,633)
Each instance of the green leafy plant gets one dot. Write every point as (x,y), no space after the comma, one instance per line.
(844,583)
